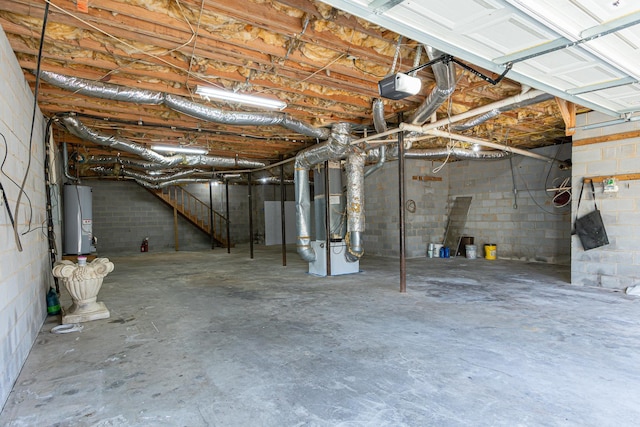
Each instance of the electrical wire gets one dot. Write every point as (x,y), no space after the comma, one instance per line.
(33,124)
(524,182)
(4,160)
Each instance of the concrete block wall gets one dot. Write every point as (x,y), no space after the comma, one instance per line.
(125,213)
(616,265)
(25,276)
(536,230)
(425,225)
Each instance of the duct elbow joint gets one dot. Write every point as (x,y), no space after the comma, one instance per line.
(305,250)
(355,251)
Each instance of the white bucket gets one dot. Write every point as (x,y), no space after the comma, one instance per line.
(436,250)
(471,251)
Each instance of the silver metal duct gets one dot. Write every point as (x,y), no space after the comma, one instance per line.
(333,149)
(476,120)
(270,180)
(181,104)
(458,153)
(145,177)
(204,112)
(124,161)
(497,111)
(102,90)
(355,205)
(445,75)
(164,184)
(381,126)
(77,128)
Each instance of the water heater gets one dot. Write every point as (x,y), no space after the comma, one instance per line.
(78,220)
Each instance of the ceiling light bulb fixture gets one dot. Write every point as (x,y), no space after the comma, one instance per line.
(475,147)
(240,98)
(178,149)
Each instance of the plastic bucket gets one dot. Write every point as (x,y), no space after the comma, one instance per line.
(490,250)
(471,251)
(436,250)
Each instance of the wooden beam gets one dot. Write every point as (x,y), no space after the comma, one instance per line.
(619,177)
(568,111)
(607,138)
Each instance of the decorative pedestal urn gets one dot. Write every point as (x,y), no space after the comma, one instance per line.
(83,281)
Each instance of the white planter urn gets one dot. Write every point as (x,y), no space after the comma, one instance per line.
(83,282)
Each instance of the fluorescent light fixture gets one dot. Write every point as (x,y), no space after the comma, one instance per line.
(240,98)
(178,149)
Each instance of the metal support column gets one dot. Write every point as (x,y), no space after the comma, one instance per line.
(226,190)
(327,217)
(250,216)
(213,242)
(401,219)
(283,222)
(175,228)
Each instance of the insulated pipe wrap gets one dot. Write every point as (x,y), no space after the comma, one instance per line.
(333,149)
(180,104)
(355,205)
(381,126)
(355,191)
(497,111)
(102,90)
(239,118)
(476,121)
(378,116)
(77,128)
(458,153)
(303,215)
(142,176)
(445,76)
(171,182)
(124,161)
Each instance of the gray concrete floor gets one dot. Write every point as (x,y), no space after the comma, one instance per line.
(211,339)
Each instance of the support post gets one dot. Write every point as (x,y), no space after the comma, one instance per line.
(213,241)
(283,222)
(226,190)
(175,227)
(327,217)
(401,216)
(250,216)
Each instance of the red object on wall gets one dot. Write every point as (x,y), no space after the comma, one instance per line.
(144,247)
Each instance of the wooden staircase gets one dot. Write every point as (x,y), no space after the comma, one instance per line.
(195,211)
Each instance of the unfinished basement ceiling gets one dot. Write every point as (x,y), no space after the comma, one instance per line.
(584,51)
(323,62)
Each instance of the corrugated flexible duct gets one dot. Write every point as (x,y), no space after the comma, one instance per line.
(180,104)
(145,177)
(77,128)
(380,125)
(355,205)
(441,153)
(497,111)
(445,76)
(334,148)
(124,161)
(458,153)
(171,182)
